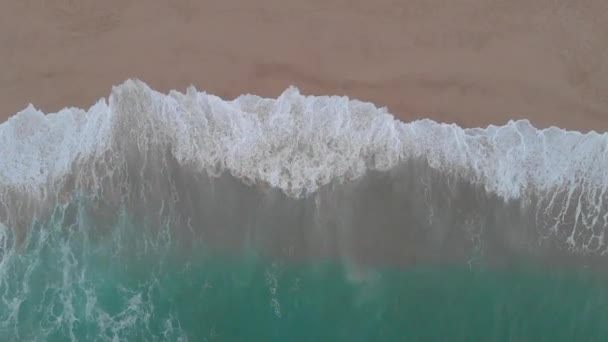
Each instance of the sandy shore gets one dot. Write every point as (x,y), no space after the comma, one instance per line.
(472,62)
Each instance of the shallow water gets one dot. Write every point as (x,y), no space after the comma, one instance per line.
(125,286)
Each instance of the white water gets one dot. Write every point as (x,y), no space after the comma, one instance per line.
(300,143)
(296,142)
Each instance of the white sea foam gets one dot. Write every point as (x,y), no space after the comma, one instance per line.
(300,143)
(297,143)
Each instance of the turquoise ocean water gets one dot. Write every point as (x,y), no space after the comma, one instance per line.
(64,286)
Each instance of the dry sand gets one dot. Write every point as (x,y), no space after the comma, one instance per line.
(472,62)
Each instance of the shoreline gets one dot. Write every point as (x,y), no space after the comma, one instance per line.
(473,63)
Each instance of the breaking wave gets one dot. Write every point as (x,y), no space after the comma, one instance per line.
(108,216)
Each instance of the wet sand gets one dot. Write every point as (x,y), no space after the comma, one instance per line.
(471,62)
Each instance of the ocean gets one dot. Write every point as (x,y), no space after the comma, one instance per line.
(186,217)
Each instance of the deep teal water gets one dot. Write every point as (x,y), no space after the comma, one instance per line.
(125,286)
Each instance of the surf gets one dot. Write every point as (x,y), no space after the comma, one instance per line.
(122,149)
(125,220)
